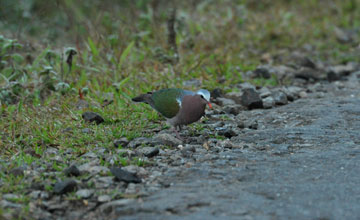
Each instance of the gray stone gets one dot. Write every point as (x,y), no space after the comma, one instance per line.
(9,205)
(148,151)
(125,152)
(89,154)
(92,117)
(216,93)
(264,92)
(125,176)
(142,141)
(246,85)
(10,196)
(86,131)
(309,74)
(292,92)
(233,109)
(225,144)
(65,186)
(104,198)
(262,72)
(224,101)
(84,193)
(108,207)
(38,194)
(280,98)
(268,102)
(167,140)
(303,94)
(227,132)
(93,168)
(251,99)
(123,142)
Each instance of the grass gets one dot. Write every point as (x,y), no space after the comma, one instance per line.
(122,50)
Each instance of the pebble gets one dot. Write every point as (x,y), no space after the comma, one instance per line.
(92,117)
(167,140)
(251,99)
(65,186)
(122,142)
(125,176)
(84,193)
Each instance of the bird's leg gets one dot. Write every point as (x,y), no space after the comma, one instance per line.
(177,133)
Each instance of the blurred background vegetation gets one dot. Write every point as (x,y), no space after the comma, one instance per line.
(215,40)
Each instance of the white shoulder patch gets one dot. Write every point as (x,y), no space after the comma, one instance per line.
(179,101)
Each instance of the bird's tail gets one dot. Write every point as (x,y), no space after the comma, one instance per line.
(143,98)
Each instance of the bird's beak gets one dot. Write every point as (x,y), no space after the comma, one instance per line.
(209,104)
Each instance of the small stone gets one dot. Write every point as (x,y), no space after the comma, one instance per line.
(125,152)
(10,196)
(92,117)
(235,96)
(140,171)
(67,130)
(224,101)
(246,85)
(251,99)
(292,92)
(142,141)
(104,198)
(190,148)
(167,140)
(65,186)
(332,76)
(264,92)
(84,193)
(308,74)
(307,62)
(86,130)
(123,142)
(148,151)
(233,109)
(98,169)
(262,72)
(216,93)
(225,144)
(227,132)
(125,176)
(109,206)
(90,154)
(303,94)
(280,98)
(251,123)
(38,194)
(302,60)
(72,171)
(5,205)
(268,102)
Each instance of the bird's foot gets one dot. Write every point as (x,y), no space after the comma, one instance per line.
(177,134)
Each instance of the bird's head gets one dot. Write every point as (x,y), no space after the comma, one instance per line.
(205,94)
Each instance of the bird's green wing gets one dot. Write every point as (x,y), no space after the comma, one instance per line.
(166,101)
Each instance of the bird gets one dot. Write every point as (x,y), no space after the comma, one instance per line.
(178,106)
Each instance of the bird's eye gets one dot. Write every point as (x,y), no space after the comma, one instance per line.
(202,96)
